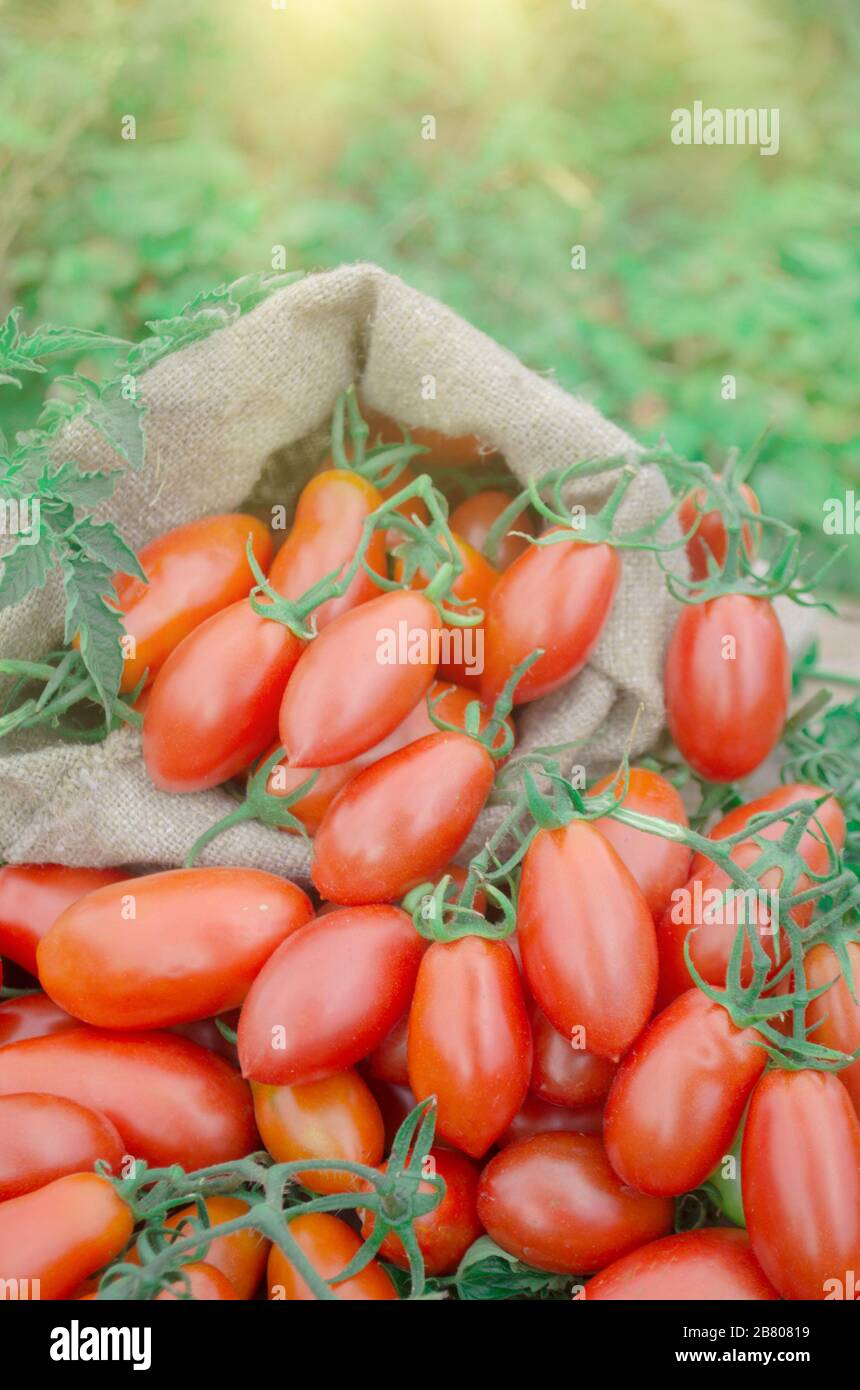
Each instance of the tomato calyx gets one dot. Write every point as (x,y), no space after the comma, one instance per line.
(259,804)
(67,685)
(438,916)
(397,1197)
(496,736)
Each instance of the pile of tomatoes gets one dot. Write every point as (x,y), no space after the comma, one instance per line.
(580,1083)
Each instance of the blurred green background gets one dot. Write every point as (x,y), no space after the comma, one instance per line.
(300,126)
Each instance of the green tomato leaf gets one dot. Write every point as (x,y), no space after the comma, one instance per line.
(99,628)
(25,568)
(102,541)
(487,1272)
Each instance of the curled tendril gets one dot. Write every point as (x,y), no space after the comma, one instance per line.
(397,1197)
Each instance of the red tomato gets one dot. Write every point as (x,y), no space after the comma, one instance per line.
(454,700)
(469,1040)
(214,704)
(707,1266)
(563,1074)
(557,597)
(679,1096)
(657,865)
(355,682)
(333,1118)
(204,1283)
(587,939)
(32,896)
(329,1244)
(32,1016)
(172,1101)
(538,1116)
(389,1062)
(239,1258)
(329,995)
(475,518)
(700,916)
(168,947)
(800,1177)
(473,586)
(554,1203)
(399,822)
(60,1234)
(191,573)
(812,848)
(698,909)
(46,1137)
(834,1015)
(444,1234)
(324,538)
(711,538)
(727,683)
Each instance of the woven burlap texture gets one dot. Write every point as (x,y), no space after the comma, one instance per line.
(242,414)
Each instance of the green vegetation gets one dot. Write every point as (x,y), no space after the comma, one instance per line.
(301,128)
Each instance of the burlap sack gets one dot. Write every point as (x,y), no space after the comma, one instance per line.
(244,414)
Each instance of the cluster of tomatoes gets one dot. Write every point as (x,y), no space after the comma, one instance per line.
(579,1084)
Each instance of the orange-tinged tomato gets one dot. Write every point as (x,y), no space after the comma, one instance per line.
(329,1244)
(204,1282)
(711,539)
(658,865)
(334,1118)
(168,947)
(444,1234)
(462,649)
(358,680)
(449,451)
(32,896)
(191,572)
(239,1257)
(214,704)
(323,540)
(475,518)
(46,1137)
(60,1234)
